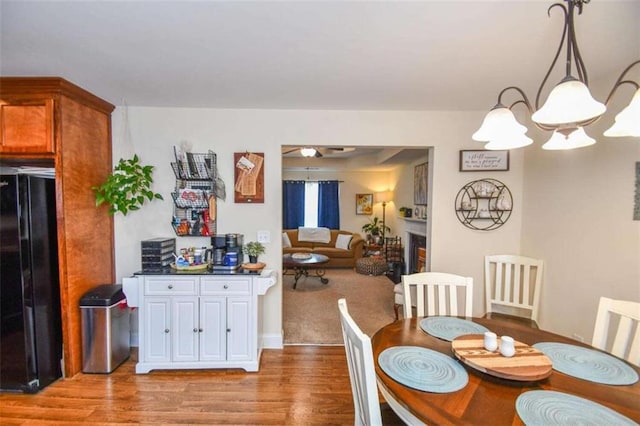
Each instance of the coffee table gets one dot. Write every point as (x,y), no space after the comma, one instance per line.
(301,266)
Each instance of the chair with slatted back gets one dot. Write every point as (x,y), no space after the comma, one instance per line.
(439,292)
(623,317)
(512,288)
(357,345)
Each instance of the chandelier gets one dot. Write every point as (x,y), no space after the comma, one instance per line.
(569,107)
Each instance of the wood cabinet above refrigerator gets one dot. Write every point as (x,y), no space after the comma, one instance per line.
(48,120)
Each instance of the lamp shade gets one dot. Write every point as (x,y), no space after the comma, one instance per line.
(569,102)
(627,122)
(576,139)
(499,123)
(383,197)
(307,152)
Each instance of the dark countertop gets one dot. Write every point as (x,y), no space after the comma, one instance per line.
(170,271)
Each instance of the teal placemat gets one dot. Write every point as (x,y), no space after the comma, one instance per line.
(448,328)
(544,408)
(588,364)
(423,369)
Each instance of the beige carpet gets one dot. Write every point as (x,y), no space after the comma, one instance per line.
(311,310)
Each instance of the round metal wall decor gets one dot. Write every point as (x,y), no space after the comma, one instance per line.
(484,204)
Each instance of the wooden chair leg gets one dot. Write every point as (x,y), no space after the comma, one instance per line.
(396,308)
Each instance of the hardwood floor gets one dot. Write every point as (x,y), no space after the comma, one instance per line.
(300,385)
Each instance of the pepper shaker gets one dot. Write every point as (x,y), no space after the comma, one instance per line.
(507,346)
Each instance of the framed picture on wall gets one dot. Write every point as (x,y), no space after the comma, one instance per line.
(364,203)
(420,184)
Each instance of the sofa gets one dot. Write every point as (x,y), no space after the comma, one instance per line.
(338,257)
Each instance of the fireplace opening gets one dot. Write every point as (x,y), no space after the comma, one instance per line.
(417,253)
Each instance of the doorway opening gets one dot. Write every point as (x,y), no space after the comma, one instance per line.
(361,170)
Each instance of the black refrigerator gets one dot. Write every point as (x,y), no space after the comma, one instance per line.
(31,330)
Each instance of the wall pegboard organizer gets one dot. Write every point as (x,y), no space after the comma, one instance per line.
(484,204)
(194,196)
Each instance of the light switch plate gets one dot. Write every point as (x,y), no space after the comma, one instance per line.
(264,236)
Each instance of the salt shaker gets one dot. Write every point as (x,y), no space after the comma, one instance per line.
(490,341)
(507,346)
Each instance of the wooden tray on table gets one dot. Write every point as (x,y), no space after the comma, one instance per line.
(528,363)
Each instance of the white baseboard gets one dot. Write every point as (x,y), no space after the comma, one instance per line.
(272,341)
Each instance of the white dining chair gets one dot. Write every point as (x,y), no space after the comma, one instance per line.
(439,291)
(357,345)
(623,317)
(512,287)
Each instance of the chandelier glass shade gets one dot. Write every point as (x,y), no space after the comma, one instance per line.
(576,138)
(498,123)
(501,129)
(627,122)
(568,108)
(569,102)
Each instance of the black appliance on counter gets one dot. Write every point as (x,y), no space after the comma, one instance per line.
(31,330)
(223,244)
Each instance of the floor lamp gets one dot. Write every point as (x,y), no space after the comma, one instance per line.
(384,198)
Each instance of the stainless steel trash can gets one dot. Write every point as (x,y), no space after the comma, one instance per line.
(105,329)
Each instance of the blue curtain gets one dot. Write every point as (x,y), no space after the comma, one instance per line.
(292,204)
(329,204)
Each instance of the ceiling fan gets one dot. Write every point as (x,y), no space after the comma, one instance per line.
(308,151)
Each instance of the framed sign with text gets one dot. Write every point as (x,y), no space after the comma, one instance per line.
(484,161)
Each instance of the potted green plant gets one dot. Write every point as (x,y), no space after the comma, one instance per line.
(127,188)
(253,249)
(374,229)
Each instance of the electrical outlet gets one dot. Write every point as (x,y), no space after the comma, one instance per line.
(264,237)
(578,337)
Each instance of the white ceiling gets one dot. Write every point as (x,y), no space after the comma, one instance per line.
(390,55)
(359,158)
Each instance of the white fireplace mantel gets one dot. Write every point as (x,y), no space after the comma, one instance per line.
(415,226)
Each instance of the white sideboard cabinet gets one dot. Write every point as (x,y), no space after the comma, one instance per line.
(197,321)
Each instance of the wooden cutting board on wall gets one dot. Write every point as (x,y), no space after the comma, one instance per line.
(249,177)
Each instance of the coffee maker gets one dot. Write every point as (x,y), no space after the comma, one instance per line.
(226,248)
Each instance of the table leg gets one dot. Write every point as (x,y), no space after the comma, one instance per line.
(300,271)
(320,274)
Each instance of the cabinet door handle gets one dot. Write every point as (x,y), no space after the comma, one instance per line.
(166,330)
(199,330)
(195,330)
(170,286)
(226,286)
(228,330)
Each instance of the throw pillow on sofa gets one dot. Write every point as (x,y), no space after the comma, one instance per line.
(286,242)
(343,241)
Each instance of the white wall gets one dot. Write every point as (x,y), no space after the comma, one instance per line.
(155,130)
(573,209)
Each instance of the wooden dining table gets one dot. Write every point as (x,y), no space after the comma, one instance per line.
(487,399)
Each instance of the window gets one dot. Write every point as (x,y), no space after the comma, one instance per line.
(311,204)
